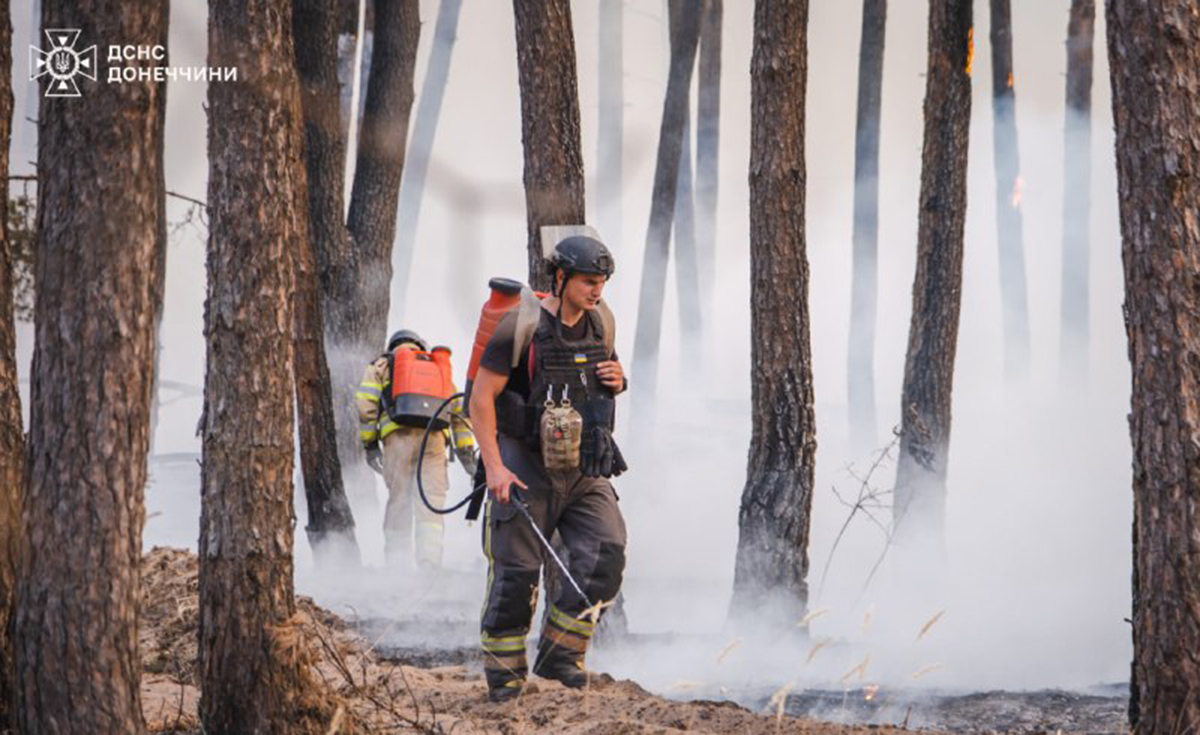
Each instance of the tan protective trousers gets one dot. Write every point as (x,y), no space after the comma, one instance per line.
(404,506)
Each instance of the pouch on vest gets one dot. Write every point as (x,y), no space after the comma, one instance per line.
(561,431)
(421,381)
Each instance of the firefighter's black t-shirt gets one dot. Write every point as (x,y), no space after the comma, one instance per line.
(497,356)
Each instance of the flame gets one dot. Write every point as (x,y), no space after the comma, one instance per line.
(1018,184)
(970,48)
(1010,80)
(869,692)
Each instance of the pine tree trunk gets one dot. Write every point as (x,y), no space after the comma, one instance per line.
(708,139)
(1008,197)
(252,679)
(77,665)
(412,188)
(609,129)
(685,37)
(920,497)
(864,290)
(1154,57)
(330,522)
(12,438)
(1077,181)
(549,123)
(687,277)
(772,556)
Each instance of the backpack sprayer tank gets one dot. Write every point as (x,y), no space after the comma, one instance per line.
(420,382)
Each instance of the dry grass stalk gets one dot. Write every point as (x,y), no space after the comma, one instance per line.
(861,670)
(728,649)
(817,647)
(929,624)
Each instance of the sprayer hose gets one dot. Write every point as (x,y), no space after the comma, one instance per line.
(421,460)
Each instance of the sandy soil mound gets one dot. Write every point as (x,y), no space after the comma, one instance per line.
(372,695)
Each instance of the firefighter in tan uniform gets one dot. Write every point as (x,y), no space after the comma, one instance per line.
(392,449)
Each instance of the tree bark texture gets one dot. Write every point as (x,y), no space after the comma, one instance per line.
(1077,200)
(416,169)
(330,526)
(864,289)
(252,678)
(687,277)
(708,147)
(685,37)
(77,665)
(1154,57)
(550,135)
(1006,155)
(920,497)
(610,127)
(12,437)
(772,556)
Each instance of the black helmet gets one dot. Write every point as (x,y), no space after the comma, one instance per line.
(582,254)
(406,335)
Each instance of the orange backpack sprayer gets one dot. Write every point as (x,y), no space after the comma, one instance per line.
(420,381)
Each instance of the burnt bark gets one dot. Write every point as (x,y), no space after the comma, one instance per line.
(610,127)
(1077,200)
(429,107)
(1006,155)
(12,438)
(708,140)
(919,502)
(772,556)
(330,525)
(1154,57)
(252,678)
(685,37)
(864,289)
(75,629)
(553,176)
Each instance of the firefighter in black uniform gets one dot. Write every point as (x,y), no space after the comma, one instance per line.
(569,357)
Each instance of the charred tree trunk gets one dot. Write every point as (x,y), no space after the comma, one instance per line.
(685,37)
(1008,197)
(708,139)
(1154,55)
(920,498)
(687,277)
(12,438)
(1077,200)
(252,679)
(355,262)
(864,290)
(429,108)
(772,556)
(76,652)
(330,522)
(549,123)
(609,130)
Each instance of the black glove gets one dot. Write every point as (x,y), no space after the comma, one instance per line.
(598,452)
(374,456)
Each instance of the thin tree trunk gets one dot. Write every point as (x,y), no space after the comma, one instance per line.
(554,187)
(429,107)
(330,522)
(1077,180)
(687,277)
(610,128)
(252,679)
(685,38)
(1154,57)
(864,289)
(708,139)
(12,438)
(356,73)
(1008,197)
(77,665)
(920,497)
(772,556)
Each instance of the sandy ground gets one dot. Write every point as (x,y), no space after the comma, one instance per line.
(373,695)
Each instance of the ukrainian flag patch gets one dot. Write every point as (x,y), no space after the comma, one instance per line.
(580,358)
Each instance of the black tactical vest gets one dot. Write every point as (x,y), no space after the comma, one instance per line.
(561,367)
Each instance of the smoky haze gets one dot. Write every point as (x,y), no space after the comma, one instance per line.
(1039,511)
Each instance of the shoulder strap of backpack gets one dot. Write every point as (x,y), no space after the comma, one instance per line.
(528,316)
(609,322)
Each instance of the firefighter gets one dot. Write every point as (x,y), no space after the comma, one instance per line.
(392,449)
(569,355)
